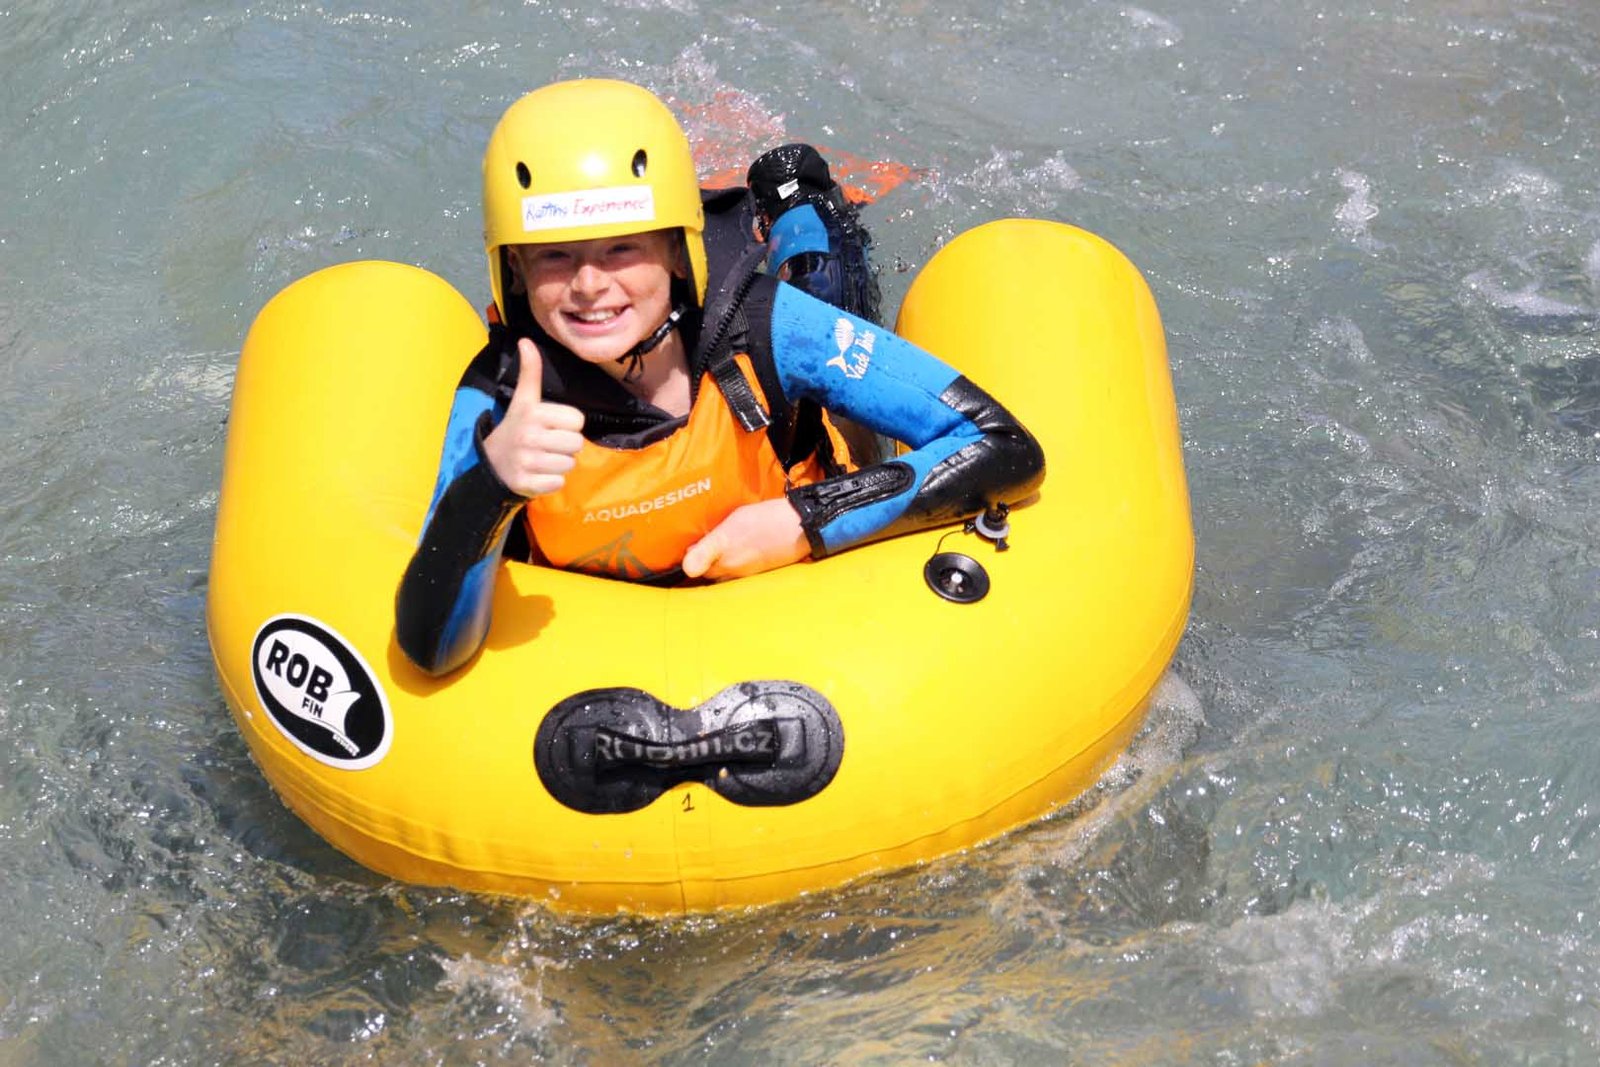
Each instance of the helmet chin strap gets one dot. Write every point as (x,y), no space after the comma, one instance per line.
(633,358)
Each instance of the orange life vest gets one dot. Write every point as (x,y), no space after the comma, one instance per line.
(633,513)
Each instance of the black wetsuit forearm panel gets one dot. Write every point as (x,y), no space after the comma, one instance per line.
(1003,466)
(442,605)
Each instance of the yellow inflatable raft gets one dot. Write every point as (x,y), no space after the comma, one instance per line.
(620,747)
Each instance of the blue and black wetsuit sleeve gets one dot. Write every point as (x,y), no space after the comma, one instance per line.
(967,452)
(821,249)
(814,235)
(442,605)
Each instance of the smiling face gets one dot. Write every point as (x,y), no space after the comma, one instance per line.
(601,297)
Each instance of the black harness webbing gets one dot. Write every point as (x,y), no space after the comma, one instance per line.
(724,321)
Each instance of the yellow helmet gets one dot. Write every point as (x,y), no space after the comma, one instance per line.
(583,159)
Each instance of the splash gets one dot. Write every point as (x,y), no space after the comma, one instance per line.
(1133,781)
(729,127)
(1355,215)
(1004,178)
(1342,332)
(1150,30)
(1290,963)
(1530,188)
(1526,301)
(727,131)
(1175,718)
(506,989)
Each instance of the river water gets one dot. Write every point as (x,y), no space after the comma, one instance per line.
(1361,827)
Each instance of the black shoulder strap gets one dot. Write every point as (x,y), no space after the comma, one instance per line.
(730,228)
(755,339)
(795,427)
(724,321)
(494,369)
(735,389)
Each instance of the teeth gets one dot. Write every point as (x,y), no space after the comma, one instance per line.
(594,316)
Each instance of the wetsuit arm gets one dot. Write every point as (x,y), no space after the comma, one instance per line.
(811,251)
(797,231)
(967,452)
(442,605)
(814,235)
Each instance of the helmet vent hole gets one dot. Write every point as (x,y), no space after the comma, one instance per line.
(524,179)
(640,162)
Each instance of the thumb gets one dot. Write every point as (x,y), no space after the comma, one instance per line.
(530,374)
(702,554)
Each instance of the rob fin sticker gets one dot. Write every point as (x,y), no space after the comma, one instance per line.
(320,692)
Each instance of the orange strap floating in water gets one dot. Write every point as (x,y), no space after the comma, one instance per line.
(731,125)
(863,180)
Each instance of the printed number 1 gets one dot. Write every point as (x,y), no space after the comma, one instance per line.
(688,802)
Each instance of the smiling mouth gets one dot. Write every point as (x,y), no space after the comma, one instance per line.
(594,318)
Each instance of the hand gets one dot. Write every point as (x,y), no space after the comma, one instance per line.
(752,539)
(533,447)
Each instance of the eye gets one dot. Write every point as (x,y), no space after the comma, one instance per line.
(621,253)
(524,179)
(640,162)
(546,259)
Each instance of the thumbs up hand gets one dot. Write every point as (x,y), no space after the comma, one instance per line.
(534,446)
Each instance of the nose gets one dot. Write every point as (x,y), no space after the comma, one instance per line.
(589,278)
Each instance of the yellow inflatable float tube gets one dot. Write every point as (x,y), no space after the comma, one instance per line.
(659,750)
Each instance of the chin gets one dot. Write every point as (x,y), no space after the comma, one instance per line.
(599,355)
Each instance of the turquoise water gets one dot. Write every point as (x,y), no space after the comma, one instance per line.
(1361,827)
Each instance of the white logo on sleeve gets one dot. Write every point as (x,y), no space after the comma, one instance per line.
(855,349)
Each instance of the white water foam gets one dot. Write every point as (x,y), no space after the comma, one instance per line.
(1289,963)
(1526,301)
(1530,188)
(1355,215)
(1342,332)
(515,989)
(1174,721)
(1149,30)
(1025,187)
